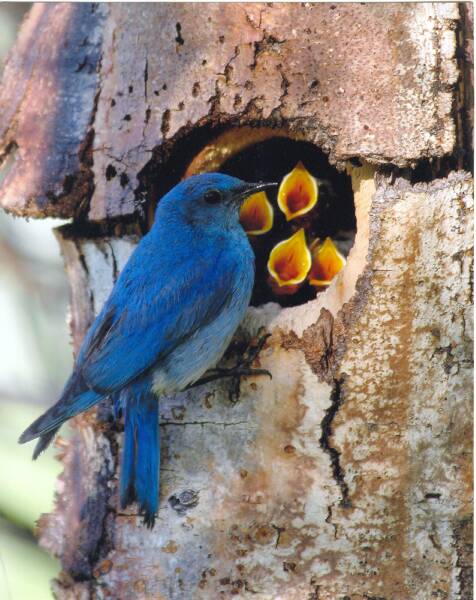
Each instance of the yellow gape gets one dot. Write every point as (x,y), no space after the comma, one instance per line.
(327,261)
(290,260)
(298,192)
(256,214)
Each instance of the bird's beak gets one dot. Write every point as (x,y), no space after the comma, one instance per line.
(256,214)
(248,189)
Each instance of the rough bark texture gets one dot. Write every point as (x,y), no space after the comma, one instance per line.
(348,475)
(372,81)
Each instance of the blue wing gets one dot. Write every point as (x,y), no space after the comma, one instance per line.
(156,304)
(151,311)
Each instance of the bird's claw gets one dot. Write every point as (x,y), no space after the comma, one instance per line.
(242,369)
(234,392)
(252,352)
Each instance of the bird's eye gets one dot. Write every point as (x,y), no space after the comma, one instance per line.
(212,197)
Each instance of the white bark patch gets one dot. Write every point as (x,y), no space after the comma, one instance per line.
(104,261)
(403,426)
(264,486)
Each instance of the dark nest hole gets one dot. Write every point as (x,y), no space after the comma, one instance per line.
(168,165)
(333,216)
(269,160)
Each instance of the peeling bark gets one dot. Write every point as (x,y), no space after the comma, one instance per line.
(47,101)
(348,475)
(367,81)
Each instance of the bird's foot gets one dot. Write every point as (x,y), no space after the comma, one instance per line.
(237,373)
(242,369)
(253,350)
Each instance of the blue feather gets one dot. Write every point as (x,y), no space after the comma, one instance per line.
(141,451)
(169,318)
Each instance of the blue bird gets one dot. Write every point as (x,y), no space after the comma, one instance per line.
(169,318)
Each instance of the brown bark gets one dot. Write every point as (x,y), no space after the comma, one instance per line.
(349,474)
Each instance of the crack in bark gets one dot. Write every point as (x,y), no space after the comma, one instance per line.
(228,70)
(84,265)
(83,180)
(285,83)
(250,21)
(214,101)
(324,441)
(222,423)
(115,270)
(146,76)
(267,42)
(329,520)
(279,531)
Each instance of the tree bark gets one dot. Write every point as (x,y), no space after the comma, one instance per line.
(348,475)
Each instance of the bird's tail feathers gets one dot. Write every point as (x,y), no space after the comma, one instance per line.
(46,426)
(141,452)
(44,441)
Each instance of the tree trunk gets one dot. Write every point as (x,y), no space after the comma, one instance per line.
(348,475)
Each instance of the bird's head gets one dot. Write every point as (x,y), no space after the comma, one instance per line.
(210,199)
